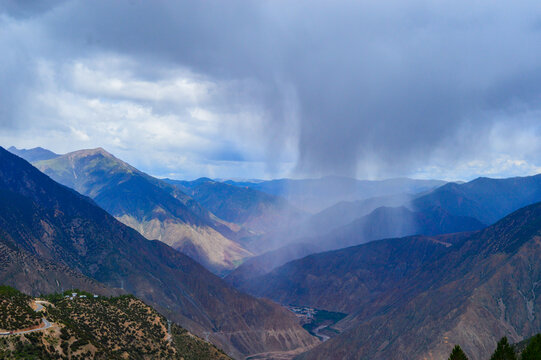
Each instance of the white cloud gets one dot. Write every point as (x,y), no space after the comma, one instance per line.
(168,124)
(115,77)
(511,147)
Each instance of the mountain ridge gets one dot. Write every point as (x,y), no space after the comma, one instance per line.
(485,199)
(470,295)
(383,222)
(466,203)
(71,228)
(252,209)
(156,209)
(34,154)
(314,195)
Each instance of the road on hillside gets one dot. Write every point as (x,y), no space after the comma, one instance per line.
(39,306)
(321,336)
(46,323)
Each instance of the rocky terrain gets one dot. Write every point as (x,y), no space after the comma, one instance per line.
(54,223)
(483,287)
(154,208)
(453,207)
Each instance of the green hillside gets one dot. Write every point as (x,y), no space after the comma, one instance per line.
(15,310)
(88,327)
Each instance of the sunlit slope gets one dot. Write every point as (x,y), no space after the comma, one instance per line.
(155,209)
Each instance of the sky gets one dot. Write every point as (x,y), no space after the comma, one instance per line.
(269,89)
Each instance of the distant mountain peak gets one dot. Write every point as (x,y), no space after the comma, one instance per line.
(13,148)
(204,180)
(108,160)
(141,201)
(34,154)
(90,152)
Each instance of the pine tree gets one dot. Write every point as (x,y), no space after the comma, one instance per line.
(533,350)
(504,351)
(457,354)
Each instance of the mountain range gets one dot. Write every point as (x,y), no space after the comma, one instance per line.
(151,206)
(34,154)
(254,210)
(383,222)
(453,207)
(484,199)
(314,195)
(44,221)
(416,297)
(405,268)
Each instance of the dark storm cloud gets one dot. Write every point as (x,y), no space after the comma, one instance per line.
(375,88)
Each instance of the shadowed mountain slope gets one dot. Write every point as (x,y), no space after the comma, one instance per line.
(36,275)
(156,209)
(388,222)
(260,265)
(485,199)
(53,222)
(450,208)
(384,222)
(415,297)
(346,212)
(345,280)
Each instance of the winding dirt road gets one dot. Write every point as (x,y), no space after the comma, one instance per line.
(45,323)
(321,336)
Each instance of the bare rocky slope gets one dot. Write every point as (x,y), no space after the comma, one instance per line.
(481,288)
(453,207)
(384,222)
(154,208)
(416,297)
(54,223)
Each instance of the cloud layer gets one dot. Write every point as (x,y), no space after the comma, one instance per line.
(275,88)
